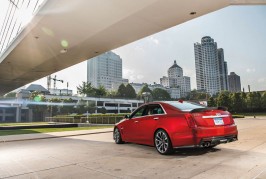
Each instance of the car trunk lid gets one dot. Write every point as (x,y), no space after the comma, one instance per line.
(210,117)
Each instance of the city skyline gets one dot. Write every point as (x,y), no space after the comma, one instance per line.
(238,30)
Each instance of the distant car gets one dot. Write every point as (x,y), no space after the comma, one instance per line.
(174,124)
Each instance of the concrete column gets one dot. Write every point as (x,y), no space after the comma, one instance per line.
(118,108)
(18,114)
(30,115)
(96,107)
(4,115)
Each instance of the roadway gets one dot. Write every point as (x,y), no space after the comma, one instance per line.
(96,156)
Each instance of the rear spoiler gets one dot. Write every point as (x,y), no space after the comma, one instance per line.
(208,109)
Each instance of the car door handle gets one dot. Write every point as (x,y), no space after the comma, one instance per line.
(136,121)
(156,118)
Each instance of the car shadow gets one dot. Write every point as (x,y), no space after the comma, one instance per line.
(194,151)
(179,152)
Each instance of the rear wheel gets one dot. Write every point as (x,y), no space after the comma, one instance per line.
(162,142)
(117,136)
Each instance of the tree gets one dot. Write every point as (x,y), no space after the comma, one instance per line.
(211,102)
(126,91)
(236,102)
(67,107)
(39,108)
(197,95)
(102,110)
(86,89)
(254,101)
(121,92)
(54,106)
(224,100)
(111,94)
(101,91)
(130,91)
(10,95)
(145,88)
(160,94)
(263,101)
(257,101)
(244,101)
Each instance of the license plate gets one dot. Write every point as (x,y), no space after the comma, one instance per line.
(218,121)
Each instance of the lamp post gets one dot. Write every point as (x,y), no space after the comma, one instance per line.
(146,96)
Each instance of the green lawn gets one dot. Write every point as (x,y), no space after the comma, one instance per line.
(252,114)
(46,130)
(23,124)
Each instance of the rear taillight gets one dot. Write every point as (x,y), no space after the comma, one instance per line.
(231,119)
(190,121)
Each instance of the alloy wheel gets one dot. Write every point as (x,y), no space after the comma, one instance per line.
(117,136)
(162,142)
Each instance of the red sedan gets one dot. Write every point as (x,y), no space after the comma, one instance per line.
(173,124)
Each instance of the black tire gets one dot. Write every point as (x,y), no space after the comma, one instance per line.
(117,136)
(163,142)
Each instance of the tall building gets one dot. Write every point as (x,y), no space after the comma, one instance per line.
(211,69)
(222,70)
(234,82)
(105,70)
(176,79)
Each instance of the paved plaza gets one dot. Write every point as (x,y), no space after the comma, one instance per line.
(97,156)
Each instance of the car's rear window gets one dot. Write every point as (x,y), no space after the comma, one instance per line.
(185,105)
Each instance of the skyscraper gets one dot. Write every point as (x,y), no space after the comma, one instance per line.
(105,70)
(234,82)
(211,69)
(176,79)
(222,70)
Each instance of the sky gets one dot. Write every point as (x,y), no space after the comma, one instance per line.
(239,30)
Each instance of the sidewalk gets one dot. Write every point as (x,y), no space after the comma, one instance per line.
(24,137)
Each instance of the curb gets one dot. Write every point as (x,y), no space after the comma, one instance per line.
(52,137)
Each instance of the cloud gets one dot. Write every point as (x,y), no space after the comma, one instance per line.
(250,70)
(139,77)
(131,75)
(261,80)
(154,40)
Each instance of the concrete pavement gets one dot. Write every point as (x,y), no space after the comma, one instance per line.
(97,156)
(34,136)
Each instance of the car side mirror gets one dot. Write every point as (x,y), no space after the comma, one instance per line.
(127,116)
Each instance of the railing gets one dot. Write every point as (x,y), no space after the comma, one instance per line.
(60,119)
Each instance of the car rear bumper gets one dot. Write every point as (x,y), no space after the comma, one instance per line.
(217,134)
(212,141)
(206,136)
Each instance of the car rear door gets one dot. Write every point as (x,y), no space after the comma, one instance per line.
(147,124)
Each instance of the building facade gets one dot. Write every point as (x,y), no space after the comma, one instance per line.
(234,82)
(176,80)
(105,70)
(211,69)
(222,70)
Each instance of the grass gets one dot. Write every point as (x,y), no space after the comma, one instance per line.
(252,114)
(23,124)
(238,116)
(46,130)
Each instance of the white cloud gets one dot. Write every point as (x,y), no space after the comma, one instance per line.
(250,70)
(131,75)
(261,80)
(154,40)
(139,77)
